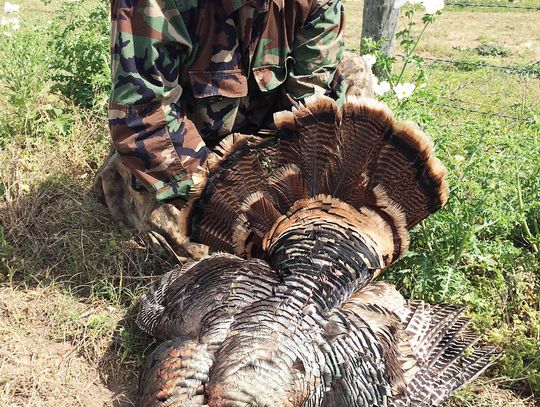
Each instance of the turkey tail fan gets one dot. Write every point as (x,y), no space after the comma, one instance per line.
(357,154)
(366,148)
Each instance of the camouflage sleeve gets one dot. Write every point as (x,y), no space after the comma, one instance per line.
(159,145)
(317,50)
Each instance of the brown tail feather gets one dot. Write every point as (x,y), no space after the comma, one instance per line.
(258,215)
(413,177)
(287,186)
(365,125)
(358,155)
(316,125)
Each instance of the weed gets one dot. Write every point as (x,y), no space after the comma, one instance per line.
(79,53)
(491,49)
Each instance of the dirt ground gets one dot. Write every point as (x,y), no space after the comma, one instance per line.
(458,33)
(462,31)
(55,351)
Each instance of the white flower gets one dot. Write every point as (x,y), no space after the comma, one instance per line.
(381,88)
(369,59)
(404,90)
(11,7)
(432,6)
(7,34)
(13,23)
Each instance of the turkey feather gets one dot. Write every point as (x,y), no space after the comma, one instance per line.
(291,316)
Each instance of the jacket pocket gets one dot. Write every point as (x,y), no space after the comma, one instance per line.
(229,84)
(270,77)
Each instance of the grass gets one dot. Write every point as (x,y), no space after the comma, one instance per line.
(70,278)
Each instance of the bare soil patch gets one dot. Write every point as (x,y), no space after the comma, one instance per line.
(52,351)
(461,31)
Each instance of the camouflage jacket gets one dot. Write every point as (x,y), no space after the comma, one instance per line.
(188,72)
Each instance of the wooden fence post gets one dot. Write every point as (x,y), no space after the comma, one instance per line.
(380,21)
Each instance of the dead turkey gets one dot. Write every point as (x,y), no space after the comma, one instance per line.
(286,312)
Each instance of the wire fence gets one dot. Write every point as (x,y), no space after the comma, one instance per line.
(520,70)
(35,10)
(506,6)
(456,104)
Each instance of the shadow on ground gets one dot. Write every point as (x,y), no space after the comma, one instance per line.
(56,235)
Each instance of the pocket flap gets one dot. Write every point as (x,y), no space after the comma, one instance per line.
(230,84)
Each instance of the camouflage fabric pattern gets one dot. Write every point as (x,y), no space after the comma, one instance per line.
(160,224)
(187,73)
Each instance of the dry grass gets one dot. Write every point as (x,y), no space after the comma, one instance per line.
(53,350)
(70,277)
(353,23)
(456,34)
(486,394)
(56,228)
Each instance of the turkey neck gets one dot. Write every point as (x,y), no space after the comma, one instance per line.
(323,257)
(277,350)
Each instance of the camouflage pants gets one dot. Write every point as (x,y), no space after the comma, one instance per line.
(161,223)
(135,209)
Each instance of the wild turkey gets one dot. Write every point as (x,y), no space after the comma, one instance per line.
(290,315)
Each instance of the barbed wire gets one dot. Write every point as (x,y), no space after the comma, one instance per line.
(458,4)
(481,64)
(456,106)
(35,10)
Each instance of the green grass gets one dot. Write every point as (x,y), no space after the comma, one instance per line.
(481,250)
